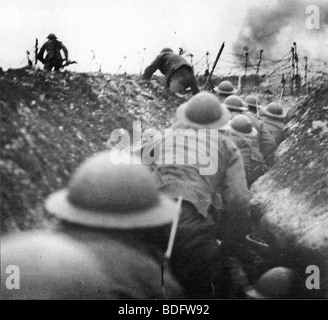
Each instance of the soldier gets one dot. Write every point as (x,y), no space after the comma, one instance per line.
(179,74)
(273,116)
(113,230)
(215,203)
(264,141)
(225,89)
(253,104)
(240,129)
(53,58)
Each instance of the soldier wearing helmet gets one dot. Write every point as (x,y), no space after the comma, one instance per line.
(273,116)
(215,204)
(241,130)
(264,143)
(178,73)
(225,89)
(53,57)
(113,230)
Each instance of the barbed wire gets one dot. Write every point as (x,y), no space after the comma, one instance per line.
(248,62)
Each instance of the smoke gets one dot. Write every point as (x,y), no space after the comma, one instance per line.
(274,29)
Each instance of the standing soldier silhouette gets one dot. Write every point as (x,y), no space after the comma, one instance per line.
(53,57)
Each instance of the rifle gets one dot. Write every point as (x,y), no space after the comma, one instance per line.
(216,61)
(67,63)
(167,255)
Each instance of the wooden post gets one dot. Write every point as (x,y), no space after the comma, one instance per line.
(246,65)
(297,79)
(293,71)
(283,81)
(256,80)
(305,76)
(36,51)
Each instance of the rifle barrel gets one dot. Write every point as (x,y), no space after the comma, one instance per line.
(216,61)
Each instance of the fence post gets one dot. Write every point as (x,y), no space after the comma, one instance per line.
(305,76)
(246,65)
(256,80)
(297,79)
(36,51)
(293,72)
(283,81)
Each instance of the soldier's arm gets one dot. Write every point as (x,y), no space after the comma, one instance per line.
(65,50)
(153,67)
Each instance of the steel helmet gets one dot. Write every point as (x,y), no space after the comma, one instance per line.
(273,110)
(50,266)
(225,88)
(252,101)
(115,191)
(276,283)
(51,36)
(203,110)
(241,125)
(235,103)
(167,50)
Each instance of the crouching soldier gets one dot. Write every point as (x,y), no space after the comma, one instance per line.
(179,74)
(199,163)
(273,116)
(263,141)
(113,230)
(225,89)
(240,130)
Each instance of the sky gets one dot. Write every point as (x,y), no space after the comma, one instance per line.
(121,35)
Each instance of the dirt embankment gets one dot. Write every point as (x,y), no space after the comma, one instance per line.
(50,122)
(292,198)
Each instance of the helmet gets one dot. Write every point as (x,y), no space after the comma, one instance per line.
(113,190)
(241,124)
(51,36)
(235,103)
(225,88)
(274,110)
(252,101)
(203,110)
(51,266)
(167,50)
(277,283)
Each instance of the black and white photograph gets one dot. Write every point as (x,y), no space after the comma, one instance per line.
(168,156)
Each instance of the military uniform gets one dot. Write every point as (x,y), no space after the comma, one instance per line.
(179,74)
(53,57)
(276,128)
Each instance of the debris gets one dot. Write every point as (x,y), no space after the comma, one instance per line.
(147,95)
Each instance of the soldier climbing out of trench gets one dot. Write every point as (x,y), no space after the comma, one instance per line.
(179,74)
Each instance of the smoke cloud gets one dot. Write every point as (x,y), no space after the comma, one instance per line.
(274,29)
